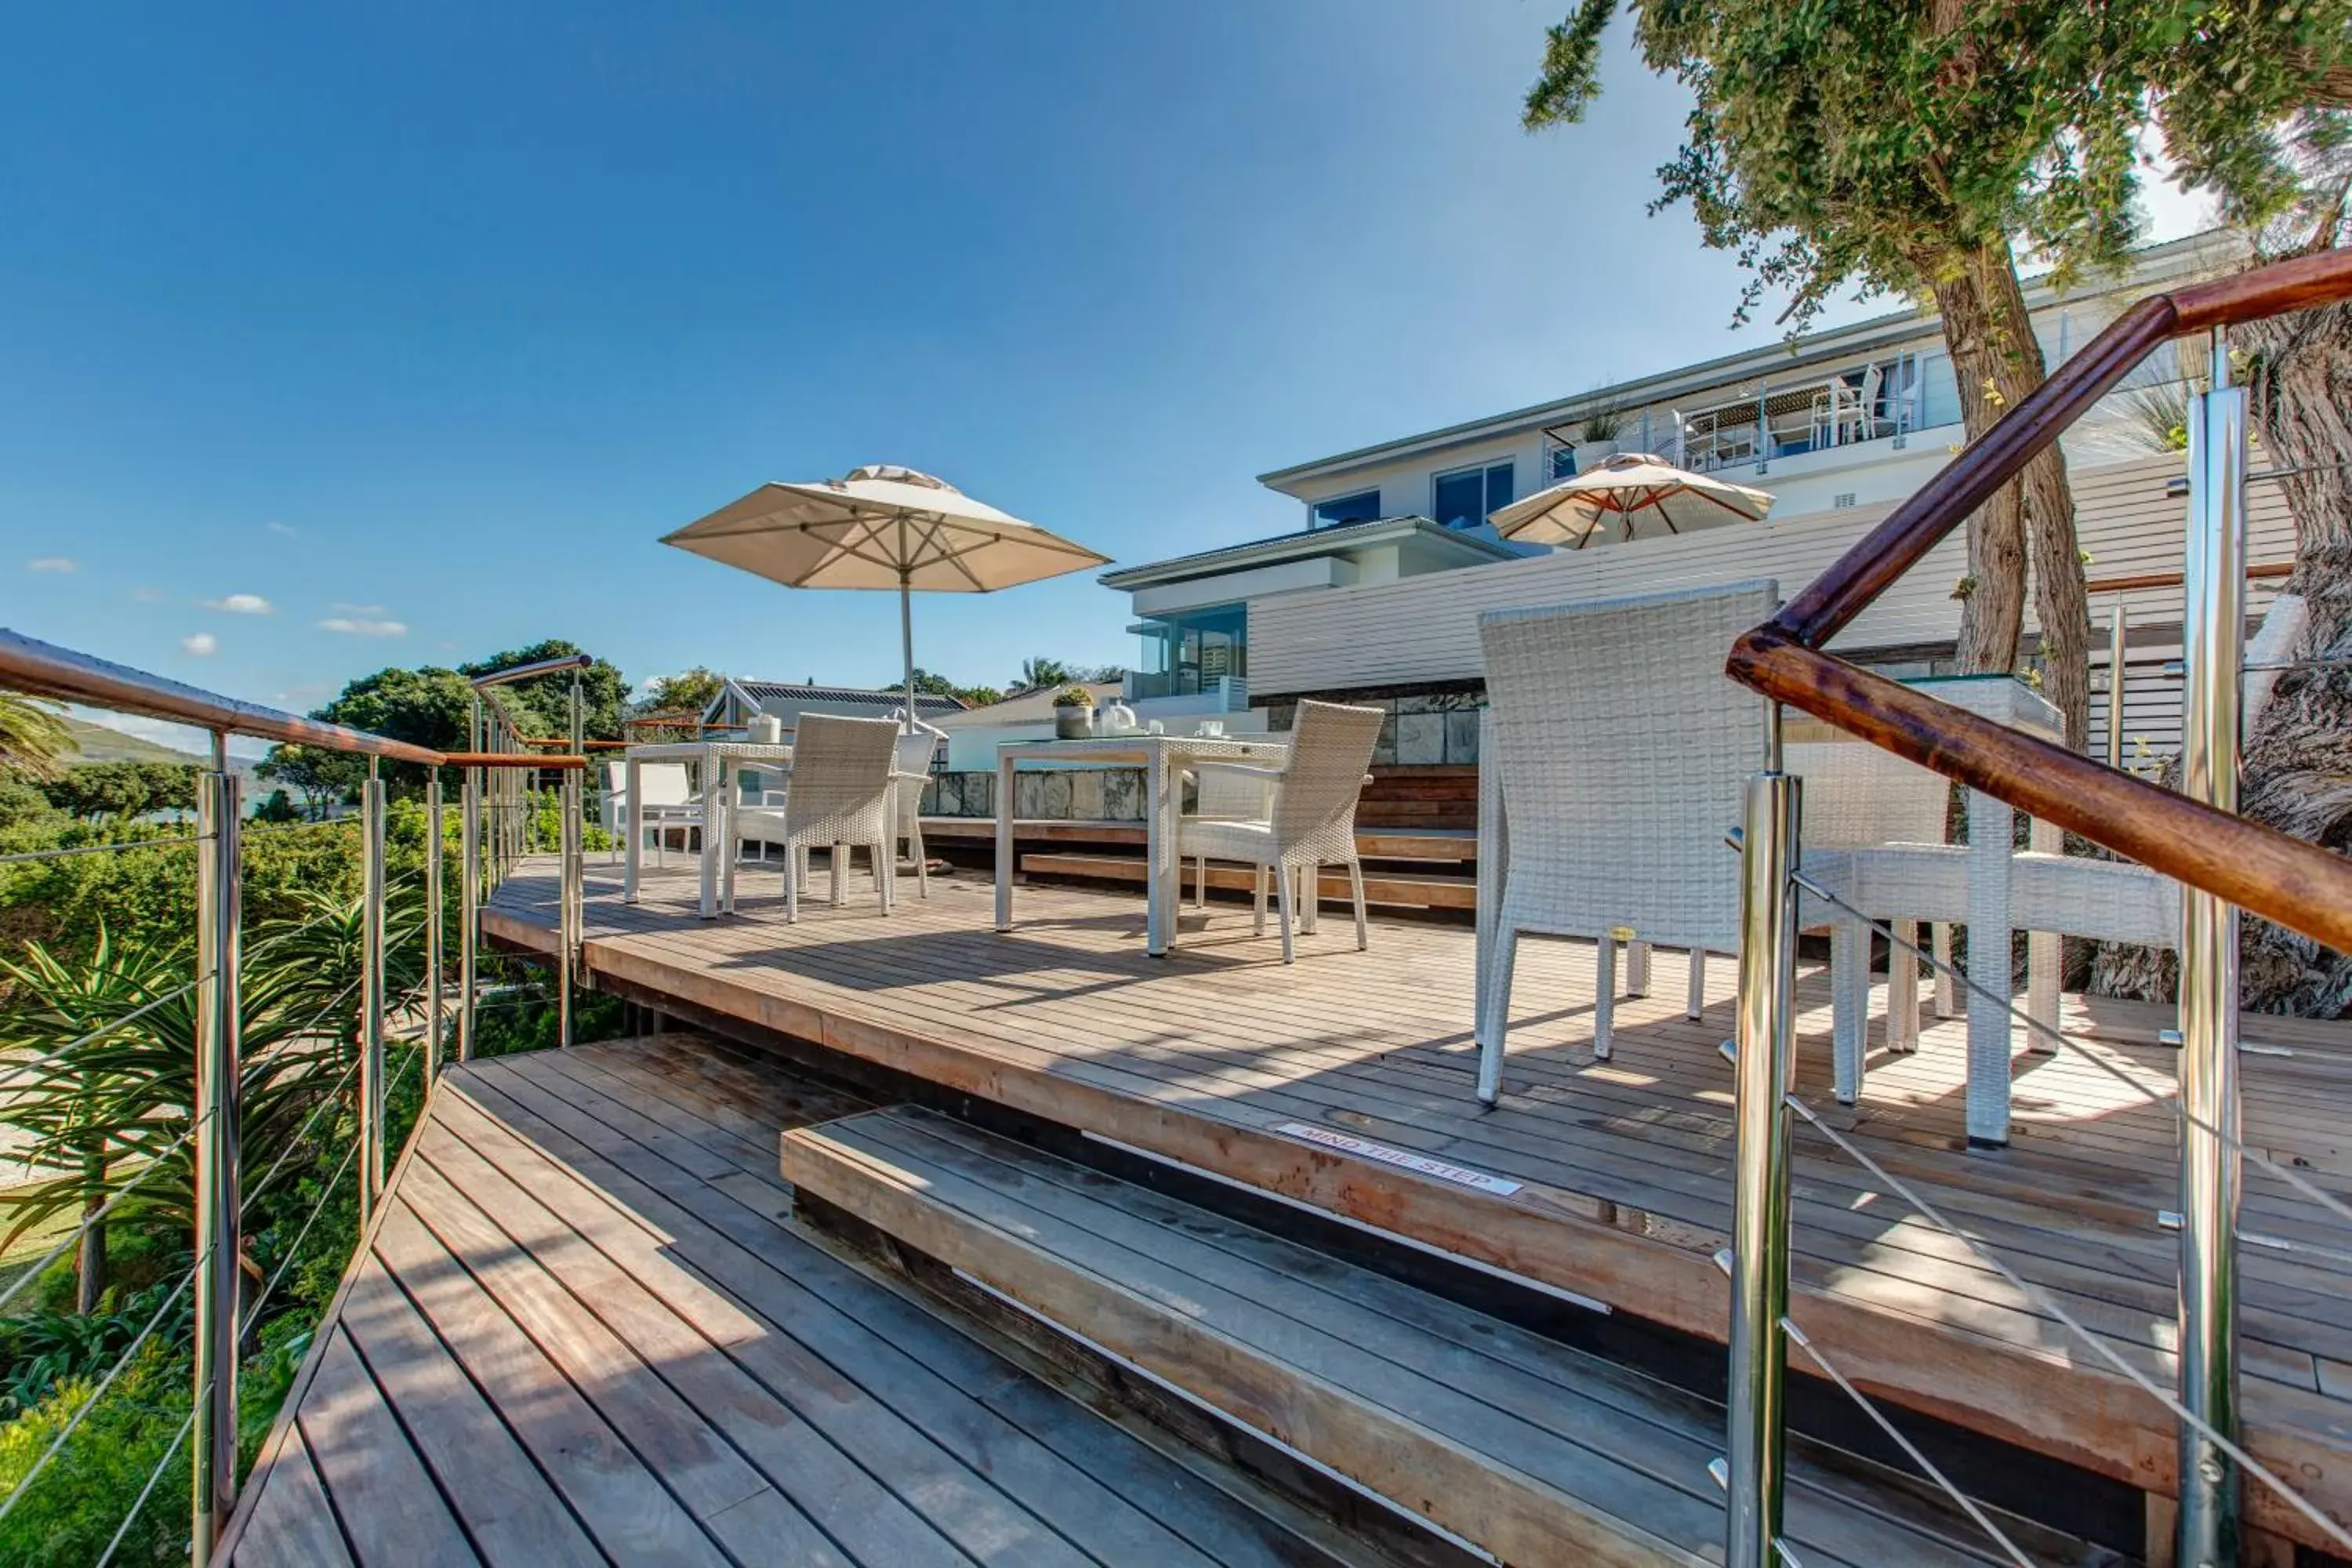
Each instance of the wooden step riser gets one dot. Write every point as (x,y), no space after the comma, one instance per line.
(1519,1522)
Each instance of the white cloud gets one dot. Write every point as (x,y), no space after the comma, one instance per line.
(362,626)
(345,609)
(148,596)
(240,605)
(280,527)
(52,563)
(204,644)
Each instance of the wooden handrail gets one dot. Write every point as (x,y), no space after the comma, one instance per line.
(508,760)
(2268,572)
(44,669)
(2298,885)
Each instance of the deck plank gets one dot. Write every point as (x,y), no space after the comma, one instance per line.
(1203,1056)
(547,1355)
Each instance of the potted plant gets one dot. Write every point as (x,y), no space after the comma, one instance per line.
(1074,714)
(1596,437)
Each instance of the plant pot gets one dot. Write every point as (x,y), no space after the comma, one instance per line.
(1074,724)
(1590,455)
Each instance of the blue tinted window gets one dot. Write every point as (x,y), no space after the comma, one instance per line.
(1361,507)
(1499,479)
(1463,500)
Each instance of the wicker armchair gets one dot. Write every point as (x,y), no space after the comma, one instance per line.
(1617,752)
(841,791)
(1308,816)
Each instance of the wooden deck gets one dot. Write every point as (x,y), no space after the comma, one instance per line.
(1208,1057)
(585,1329)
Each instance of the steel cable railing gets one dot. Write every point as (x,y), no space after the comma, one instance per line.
(2075,1049)
(119,846)
(496,825)
(81,1413)
(2035,1296)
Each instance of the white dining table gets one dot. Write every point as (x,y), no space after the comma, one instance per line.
(1162,759)
(716,762)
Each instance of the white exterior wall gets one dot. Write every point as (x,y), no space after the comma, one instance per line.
(1425,630)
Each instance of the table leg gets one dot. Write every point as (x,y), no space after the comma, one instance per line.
(2044,950)
(1005,844)
(634,786)
(1158,840)
(1990,823)
(713,830)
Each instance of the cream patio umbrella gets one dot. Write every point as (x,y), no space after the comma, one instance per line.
(881,527)
(1634,485)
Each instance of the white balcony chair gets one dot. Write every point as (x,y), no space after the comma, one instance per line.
(1309,816)
(917,752)
(1617,748)
(841,791)
(667,804)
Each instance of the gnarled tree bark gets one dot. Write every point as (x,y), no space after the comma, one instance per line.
(1997,361)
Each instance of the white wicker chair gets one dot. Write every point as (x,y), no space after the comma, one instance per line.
(1617,747)
(1309,813)
(841,791)
(917,752)
(1857,796)
(667,804)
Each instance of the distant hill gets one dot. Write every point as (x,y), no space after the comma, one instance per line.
(97,743)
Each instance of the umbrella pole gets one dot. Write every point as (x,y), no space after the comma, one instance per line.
(907,644)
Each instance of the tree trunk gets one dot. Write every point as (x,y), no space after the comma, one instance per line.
(2297,771)
(1992,596)
(90,1262)
(2061,601)
(2298,761)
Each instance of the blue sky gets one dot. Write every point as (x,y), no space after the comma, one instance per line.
(334,337)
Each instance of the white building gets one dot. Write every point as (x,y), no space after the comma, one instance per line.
(1839,428)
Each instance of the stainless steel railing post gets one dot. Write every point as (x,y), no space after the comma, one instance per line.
(2213,629)
(1759,1253)
(218,909)
(470,911)
(433,927)
(573,919)
(371,1073)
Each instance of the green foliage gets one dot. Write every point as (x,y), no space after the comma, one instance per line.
(1073,697)
(1038,672)
(72,1510)
(691,692)
(322,778)
(123,789)
(543,706)
(22,801)
(1856,140)
(33,740)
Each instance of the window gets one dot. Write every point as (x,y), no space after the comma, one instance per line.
(1189,651)
(1462,499)
(1361,507)
(1560,463)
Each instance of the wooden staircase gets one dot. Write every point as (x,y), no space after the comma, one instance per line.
(1494,1438)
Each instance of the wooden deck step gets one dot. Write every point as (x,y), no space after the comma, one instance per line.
(1532,1451)
(1408,889)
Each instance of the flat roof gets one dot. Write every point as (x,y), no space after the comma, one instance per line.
(1305,543)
